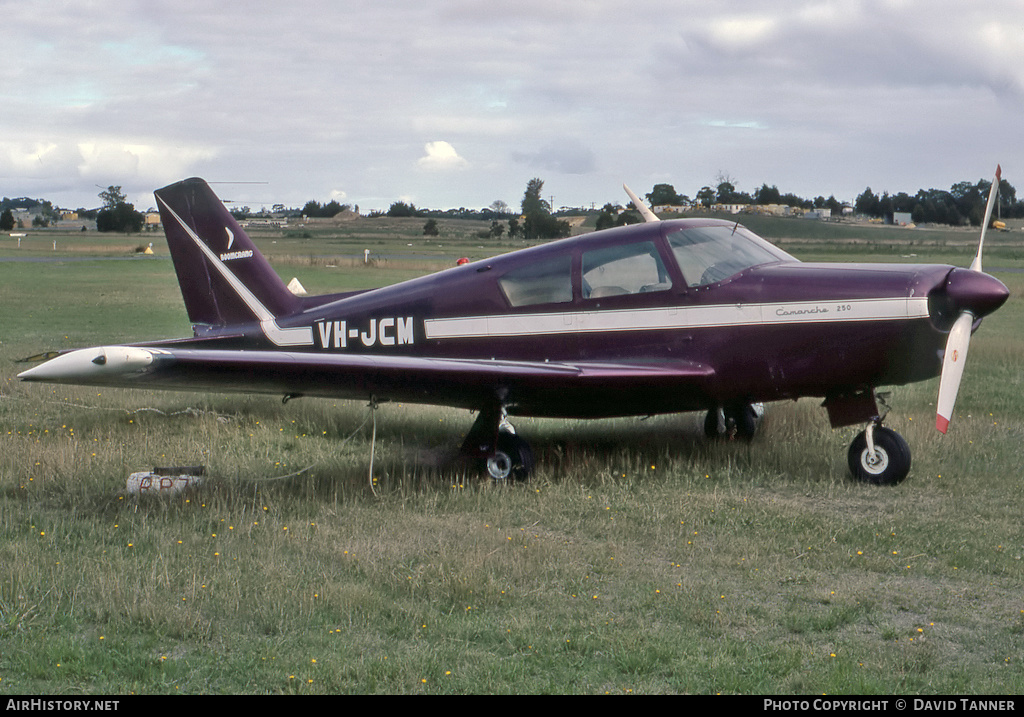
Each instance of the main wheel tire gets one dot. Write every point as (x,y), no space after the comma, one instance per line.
(713,429)
(512,459)
(740,421)
(891,463)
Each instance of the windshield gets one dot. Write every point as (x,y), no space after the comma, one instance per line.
(713,253)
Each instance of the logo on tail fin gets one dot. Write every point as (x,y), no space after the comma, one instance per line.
(232,255)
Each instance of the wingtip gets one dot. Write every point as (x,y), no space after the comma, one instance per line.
(941,423)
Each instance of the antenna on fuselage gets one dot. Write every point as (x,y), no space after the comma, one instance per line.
(646,213)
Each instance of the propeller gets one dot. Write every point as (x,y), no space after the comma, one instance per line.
(645,212)
(959,339)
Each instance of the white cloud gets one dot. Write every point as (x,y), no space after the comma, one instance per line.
(441,156)
(742,32)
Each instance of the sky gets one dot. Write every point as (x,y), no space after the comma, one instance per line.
(459,103)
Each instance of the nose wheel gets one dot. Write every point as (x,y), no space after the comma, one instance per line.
(879,455)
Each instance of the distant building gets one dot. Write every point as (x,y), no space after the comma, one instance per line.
(820,214)
(670,209)
(274,222)
(774,210)
(730,208)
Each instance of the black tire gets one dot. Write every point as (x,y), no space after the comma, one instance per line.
(740,422)
(892,458)
(511,461)
(711,427)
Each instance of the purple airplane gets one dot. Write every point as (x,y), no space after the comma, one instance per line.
(660,317)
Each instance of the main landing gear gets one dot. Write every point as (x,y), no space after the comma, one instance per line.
(733,421)
(492,441)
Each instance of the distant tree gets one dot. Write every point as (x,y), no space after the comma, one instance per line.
(794,200)
(606,219)
(935,206)
(112,196)
(7,220)
(117,215)
(629,216)
(499,207)
(706,196)
(538,223)
(868,203)
(903,202)
(664,194)
(544,226)
(430,228)
(497,230)
(835,205)
(515,229)
(885,209)
(533,203)
(122,218)
(726,192)
(401,209)
(315,209)
(768,195)
(334,208)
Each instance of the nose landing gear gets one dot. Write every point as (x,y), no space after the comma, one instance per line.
(879,455)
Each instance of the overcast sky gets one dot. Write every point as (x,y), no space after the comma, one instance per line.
(460,103)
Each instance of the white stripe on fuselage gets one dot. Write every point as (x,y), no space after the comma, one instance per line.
(672,317)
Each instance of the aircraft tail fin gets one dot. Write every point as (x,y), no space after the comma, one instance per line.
(223,277)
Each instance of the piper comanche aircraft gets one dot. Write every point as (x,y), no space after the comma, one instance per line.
(653,318)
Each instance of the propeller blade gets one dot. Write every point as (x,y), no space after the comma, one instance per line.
(646,213)
(953,368)
(992,194)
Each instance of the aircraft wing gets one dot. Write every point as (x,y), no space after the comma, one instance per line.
(531,387)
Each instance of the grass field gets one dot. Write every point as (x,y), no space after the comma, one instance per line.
(640,559)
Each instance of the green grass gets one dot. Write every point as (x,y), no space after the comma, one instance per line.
(640,559)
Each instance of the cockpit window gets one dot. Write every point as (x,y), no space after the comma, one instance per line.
(623,269)
(709,254)
(546,282)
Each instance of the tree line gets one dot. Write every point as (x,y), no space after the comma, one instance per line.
(537,218)
(961,205)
